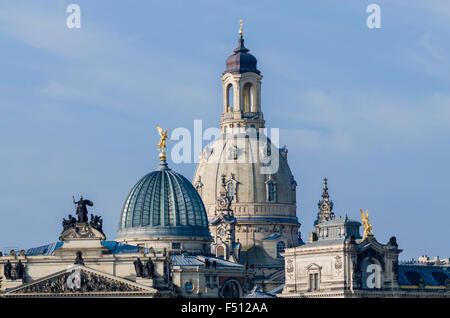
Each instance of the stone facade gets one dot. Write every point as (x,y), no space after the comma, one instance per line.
(263,199)
(338,262)
(107,269)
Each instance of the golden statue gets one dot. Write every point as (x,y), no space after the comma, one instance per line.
(365,222)
(240,28)
(162,141)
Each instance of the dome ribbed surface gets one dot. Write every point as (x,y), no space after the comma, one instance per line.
(163,203)
(241,61)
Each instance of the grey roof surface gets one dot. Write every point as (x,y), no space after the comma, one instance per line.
(47,249)
(199,260)
(113,247)
(324,242)
(409,275)
(241,61)
(338,221)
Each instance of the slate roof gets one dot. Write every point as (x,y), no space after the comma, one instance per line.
(409,275)
(113,247)
(241,61)
(199,260)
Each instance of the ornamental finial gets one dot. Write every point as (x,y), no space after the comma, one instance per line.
(325,205)
(240,28)
(325,188)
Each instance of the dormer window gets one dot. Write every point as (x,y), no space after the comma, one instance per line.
(232,188)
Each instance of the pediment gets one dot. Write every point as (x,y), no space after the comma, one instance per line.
(313,266)
(81,231)
(371,243)
(79,280)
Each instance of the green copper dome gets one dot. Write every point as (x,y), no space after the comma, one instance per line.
(163,203)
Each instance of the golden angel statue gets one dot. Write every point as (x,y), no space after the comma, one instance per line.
(164,138)
(365,222)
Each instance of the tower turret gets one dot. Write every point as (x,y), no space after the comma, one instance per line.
(241,84)
(263,201)
(325,205)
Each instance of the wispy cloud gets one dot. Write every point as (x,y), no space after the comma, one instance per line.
(428,55)
(359,120)
(45,29)
(99,66)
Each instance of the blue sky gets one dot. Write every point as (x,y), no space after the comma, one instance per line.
(368,109)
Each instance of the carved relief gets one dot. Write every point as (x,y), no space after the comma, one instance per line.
(81,230)
(233,152)
(90,282)
(290,269)
(338,264)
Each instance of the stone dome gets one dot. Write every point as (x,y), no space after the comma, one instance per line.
(163,204)
(259,214)
(251,181)
(241,61)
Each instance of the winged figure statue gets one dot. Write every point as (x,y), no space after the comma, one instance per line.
(365,222)
(164,138)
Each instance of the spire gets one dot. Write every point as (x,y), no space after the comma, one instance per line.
(241,61)
(325,189)
(241,47)
(240,28)
(325,205)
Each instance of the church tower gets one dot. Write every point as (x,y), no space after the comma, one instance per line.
(263,200)
(241,84)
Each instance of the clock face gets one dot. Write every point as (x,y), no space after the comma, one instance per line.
(221,231)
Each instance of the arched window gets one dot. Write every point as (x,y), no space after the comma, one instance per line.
(280,248)
(220,252)
(230,97)
(271,191)
(231,289)
(248,97)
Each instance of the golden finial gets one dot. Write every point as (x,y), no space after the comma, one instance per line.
(162,142)
(365,222)
(240,28)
